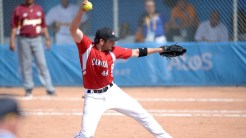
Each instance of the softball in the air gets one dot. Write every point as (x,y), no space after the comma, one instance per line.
(88,6)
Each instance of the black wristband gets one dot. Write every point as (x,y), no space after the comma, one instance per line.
(143,52)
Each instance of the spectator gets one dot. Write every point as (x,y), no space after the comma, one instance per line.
(59,19)
(150,25)
(183,22)
(9,118)
(29,18)
(212,30)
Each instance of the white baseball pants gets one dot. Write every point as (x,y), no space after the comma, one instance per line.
(95,104)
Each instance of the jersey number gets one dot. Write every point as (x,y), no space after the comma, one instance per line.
(105,73)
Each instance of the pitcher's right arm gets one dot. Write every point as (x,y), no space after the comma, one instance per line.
(75,32)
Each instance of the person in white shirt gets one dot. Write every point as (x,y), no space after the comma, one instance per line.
(212,30)
(59,19)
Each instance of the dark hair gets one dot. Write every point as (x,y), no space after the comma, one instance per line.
(216,12)
(148,1)
(96,40)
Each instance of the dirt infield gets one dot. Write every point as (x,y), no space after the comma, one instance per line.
(184,112)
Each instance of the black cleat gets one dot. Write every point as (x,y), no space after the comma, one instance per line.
(28,93)
(51,93)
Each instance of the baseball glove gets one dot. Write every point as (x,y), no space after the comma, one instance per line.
(172,51)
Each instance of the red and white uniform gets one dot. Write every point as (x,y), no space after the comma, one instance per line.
(29,20)
(97,66)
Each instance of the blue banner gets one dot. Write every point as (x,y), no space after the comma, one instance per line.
(205,64)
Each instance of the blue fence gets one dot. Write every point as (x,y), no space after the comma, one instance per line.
(205,64)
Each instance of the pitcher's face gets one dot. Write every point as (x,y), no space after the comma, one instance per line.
(108,45)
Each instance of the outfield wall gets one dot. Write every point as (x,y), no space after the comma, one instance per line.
(205,64)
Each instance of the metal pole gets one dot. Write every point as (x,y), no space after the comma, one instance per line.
(235,21)
(116,17)
(1,22)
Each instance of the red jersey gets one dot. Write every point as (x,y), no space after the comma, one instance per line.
(97,66)
(30,20)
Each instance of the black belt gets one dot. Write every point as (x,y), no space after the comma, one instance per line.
(101,90)
(29,36)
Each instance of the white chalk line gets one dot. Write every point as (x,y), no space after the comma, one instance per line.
(139,99)
(162,113)
(191,100)
(150,111)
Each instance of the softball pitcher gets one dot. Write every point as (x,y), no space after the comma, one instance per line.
(101,93)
